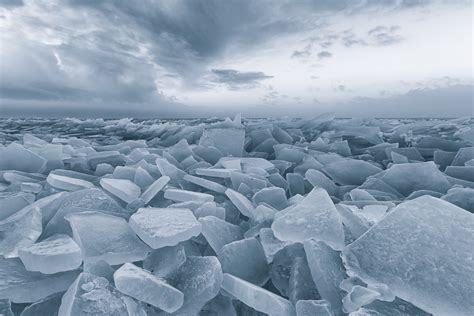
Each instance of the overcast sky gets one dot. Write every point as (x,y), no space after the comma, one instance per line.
(262,58)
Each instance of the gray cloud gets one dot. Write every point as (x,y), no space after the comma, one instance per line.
(324,54)
(238,80)
(383,35)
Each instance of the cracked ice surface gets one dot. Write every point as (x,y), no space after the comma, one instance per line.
(317,216)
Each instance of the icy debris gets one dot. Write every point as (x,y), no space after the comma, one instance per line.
(161,227)
(184,195)
(67,183)
(154,188)
(245,259)
(270,202)
(314,217)
(144,286)
(106,237)
(256,297)
(313,307)
(125,190)
(22,286)
(52,255)
(399,251)
(17,157)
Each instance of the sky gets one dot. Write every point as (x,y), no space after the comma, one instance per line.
(186,58)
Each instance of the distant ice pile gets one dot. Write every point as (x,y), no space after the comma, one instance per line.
(210,217)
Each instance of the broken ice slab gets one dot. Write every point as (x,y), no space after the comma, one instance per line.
(142,178)
(219,232)
(163,261)
(170,170)
(228,140)
(5,308)
(295,183)
(409,177)
(319,179)
(67,183)
(55,254)
(350,171)
(214,172)
(301,284)
(270,244)
(161,227)
(397,307)
(46,306)
(358,297)
(17,157)
(313,308)
(125,190)
(154,188)
(241,202)
(113,158)
(11,203)
(20,229)
(245,259)
(314,217)
(178,195)
(403,251)
(144,286)
(106,237)
(199,279)
(462,197)
(92,295)
(256,297)
(210,209)
(327,271)
(463,155)
(283,262)
(207,184)
(30,187)
(461,172)
(22,286)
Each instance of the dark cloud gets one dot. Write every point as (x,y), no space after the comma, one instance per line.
(11,3)
(238,80)
(383,35)
(324,54)
(304,53)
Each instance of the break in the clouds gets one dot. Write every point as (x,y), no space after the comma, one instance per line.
(184,56)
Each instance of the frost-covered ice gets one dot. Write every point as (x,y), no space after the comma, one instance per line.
(233,217)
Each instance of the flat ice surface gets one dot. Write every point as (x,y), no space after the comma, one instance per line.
(312,216)
(421,245)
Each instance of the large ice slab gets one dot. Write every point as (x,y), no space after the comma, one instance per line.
(144,286)
(219,232)
(106,237)
(161,227)
(55,254)
(351,171)
(17,157)
(419,246)
(256,297)
(22,286)
(314,217)
(228,140)
(125,190)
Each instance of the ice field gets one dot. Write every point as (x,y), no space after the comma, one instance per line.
(284,217)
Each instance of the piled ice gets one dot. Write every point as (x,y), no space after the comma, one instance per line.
(237,217)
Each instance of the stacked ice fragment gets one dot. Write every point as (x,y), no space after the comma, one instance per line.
(262,217)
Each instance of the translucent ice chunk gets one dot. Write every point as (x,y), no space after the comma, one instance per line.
(241,202)
(301,284)
(67,183)
(318,179)
(327,272)
(161,262)
(5,308)
(46,306)
(403,252)
(410,177)
(125,190)
(270,244)
(314,217)
(358,297)
(21,229)
(154,188)
(274,196)
(12,203)
(313,308)
(22,286)
(161,227)
(282,265)
(17,157)
(92,295)
(185,195)
(142,178)
(106,237)
(462,197)
(229,141)
(55,254)
(256,297)
(207,184)
(245,259)
(199,279)
(350,171)
(218,232)
(144,286)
